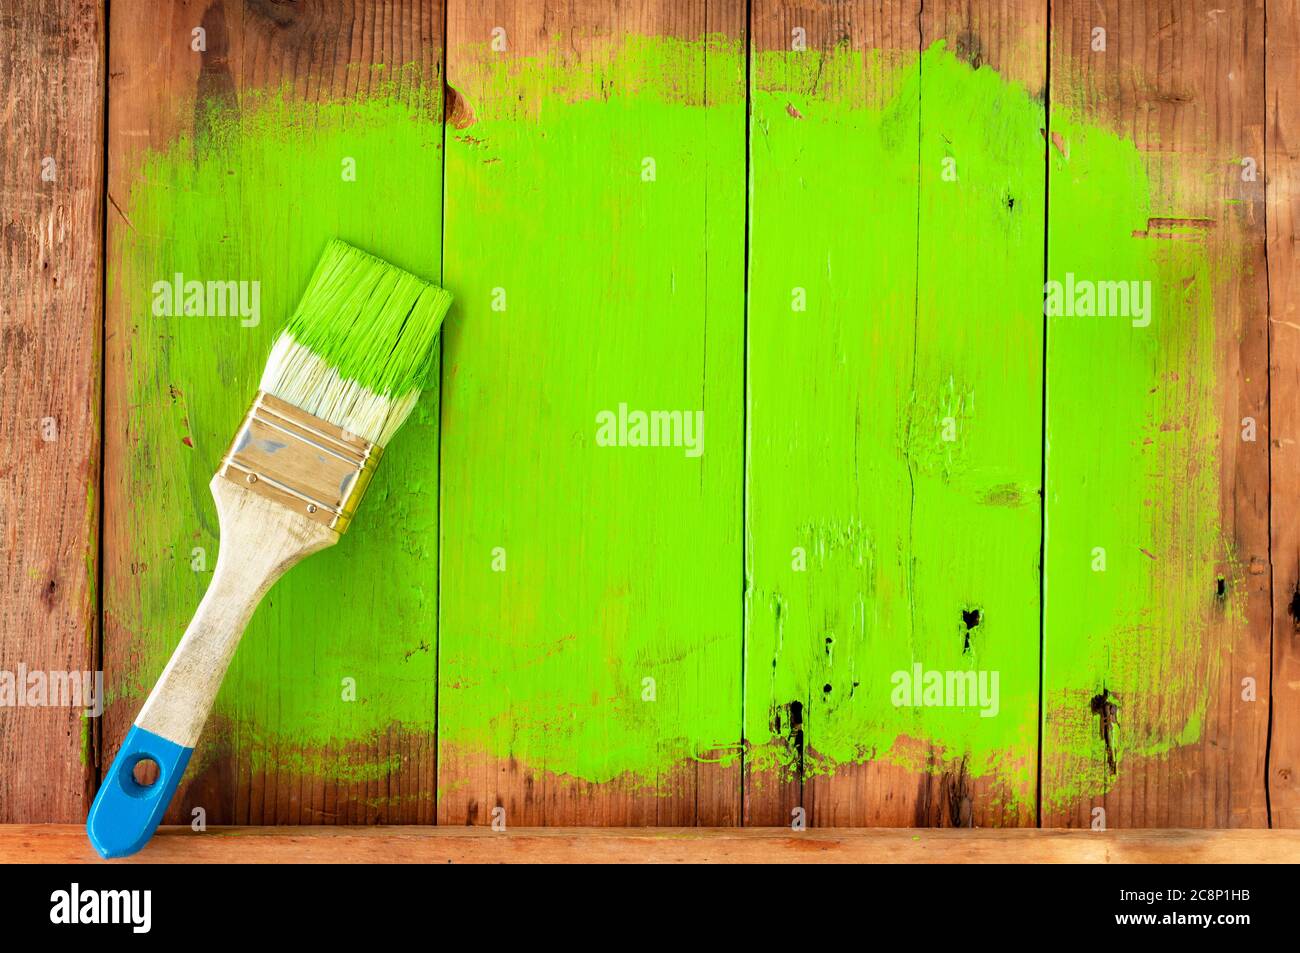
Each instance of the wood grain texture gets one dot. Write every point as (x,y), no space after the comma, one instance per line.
(1282,168)
(229,162)
(590,649)
(894,425)
(1157,433)
(55,844)
(51,295)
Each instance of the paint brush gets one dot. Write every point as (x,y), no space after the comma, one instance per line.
(342,377)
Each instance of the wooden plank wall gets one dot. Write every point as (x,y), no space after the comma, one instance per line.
(753,210)
(51,320)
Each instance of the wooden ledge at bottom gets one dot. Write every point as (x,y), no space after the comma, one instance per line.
(66,843)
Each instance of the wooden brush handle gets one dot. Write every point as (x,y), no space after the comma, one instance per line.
(260,541)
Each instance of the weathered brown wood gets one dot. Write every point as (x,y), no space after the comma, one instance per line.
(36,843)
(161,89)
(51,227)
(1282,169)
(1183,82)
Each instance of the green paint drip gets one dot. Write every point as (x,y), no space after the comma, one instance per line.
(621,562)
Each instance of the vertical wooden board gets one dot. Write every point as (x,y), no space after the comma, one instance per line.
(974,430)
(1157,580)
(826,384)
(591,630)
(1282,167)
(235,153)
(51,188)
(895,424)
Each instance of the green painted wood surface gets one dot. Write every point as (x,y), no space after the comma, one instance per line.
(881,511)
(894,423)
(573,572)
(1120,538)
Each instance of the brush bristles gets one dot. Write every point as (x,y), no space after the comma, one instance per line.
(299,375)
(360,345)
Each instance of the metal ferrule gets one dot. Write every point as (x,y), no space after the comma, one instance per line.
(307,464)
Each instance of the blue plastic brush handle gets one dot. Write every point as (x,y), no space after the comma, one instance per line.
(126,813)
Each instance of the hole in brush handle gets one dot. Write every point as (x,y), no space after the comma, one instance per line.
(125,812)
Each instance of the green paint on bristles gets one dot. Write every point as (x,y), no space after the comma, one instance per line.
(360,346)
(373,322)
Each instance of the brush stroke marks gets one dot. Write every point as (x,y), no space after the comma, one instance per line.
(1115,430)
(1133,505)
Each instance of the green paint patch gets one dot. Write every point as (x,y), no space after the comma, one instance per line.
(891,467)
